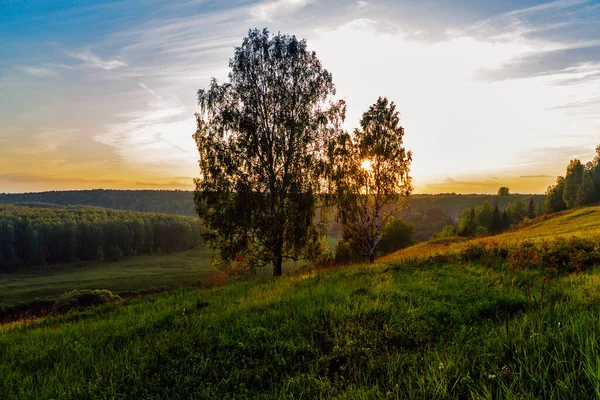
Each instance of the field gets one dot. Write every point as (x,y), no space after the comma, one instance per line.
(398,329)
(135,273)
(182,269)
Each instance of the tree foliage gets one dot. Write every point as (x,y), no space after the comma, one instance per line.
(371,176)
(39,236)
(396,234)
(573,180)
(263,138)
(579,187)
(486,218)
(178,202)
(504,191)
(554,196)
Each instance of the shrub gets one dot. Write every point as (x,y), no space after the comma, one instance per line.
(344,253)
(448,231)
(76,299)
(395,235)
(562,255)
(481,231)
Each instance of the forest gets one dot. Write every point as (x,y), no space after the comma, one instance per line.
(161,201)
(429,214)
(46,234)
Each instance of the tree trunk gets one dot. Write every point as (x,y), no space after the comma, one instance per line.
(277,261)
(371,258)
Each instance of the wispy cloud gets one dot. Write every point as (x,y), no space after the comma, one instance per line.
(535,176)
(147,89)
(172,184)
(39,72)
(27,178)
(494,89)
(92,60)
(267,11)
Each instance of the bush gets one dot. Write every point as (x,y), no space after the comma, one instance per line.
(76,299)
(344,253)
(560,255)
(115,253)
(395,235)
(448,231)
(481,231)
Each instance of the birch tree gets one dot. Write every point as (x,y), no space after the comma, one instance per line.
(371,176)
(263,138)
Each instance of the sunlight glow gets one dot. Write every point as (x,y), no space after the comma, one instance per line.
(366,165)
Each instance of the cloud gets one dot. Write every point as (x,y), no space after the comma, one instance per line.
(486,93)
(524,21)
(152,92)
(39,72)
(158,133)
(29,178)
(45,141)
(521,184)
(92,60)
(267,11)
(169,184)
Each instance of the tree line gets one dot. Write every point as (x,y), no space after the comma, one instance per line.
(489,219)
(579,187)
(160,201)
(46,235)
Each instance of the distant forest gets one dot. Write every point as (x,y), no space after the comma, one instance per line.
(39,234)
(429,214)
(159,201)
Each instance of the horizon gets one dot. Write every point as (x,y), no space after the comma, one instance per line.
(103,94)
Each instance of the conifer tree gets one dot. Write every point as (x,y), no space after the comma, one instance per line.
(585,193)
(531,209)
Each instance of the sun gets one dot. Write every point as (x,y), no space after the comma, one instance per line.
(366,164)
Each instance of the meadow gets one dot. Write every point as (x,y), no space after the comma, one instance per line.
(131,274)
(407,327)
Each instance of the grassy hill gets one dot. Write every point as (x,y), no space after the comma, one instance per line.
(436,321)
(583,222)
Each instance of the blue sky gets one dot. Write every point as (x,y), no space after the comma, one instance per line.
(102,93)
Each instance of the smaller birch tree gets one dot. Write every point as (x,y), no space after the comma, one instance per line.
(371,176)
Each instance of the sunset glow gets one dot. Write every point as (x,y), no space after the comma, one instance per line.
(501,94)
(366,165)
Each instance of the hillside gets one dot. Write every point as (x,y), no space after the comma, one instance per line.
(402,328)
(582,222)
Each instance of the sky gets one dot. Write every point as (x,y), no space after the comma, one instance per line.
(102,94)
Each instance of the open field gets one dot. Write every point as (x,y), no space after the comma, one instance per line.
(142,272)
(186,268)
(391,330)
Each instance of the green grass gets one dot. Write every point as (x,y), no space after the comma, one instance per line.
(186,268)
(142,272)
(453,331)
(580,222)
(396,329)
